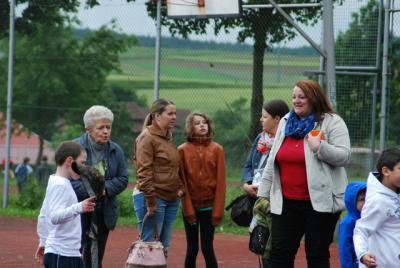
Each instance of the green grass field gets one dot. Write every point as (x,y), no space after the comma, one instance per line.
(205,79)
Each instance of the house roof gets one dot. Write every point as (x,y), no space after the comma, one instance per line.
(22,144)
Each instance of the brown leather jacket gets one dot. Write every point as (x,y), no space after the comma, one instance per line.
(203,173)
(157,165)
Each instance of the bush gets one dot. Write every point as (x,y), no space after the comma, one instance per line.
(231,127)
(125,204)
(32,195)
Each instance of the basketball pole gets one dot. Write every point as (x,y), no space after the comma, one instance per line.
(330,51)
(157,52)
(9,100)
(383,115)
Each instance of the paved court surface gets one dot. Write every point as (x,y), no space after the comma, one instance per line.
(18,243)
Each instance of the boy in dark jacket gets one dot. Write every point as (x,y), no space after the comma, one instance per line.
(354,200)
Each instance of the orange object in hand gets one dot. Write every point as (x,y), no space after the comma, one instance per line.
(315,132)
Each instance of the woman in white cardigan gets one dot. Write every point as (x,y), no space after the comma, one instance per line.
(305,179)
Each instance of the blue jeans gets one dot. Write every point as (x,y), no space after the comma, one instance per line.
(165,214)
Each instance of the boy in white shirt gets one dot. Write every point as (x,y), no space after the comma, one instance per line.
(59,221)
(377,232)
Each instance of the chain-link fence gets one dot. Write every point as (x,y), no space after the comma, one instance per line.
(217,76)
(393,93)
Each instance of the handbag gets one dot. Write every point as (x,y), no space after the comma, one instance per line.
(258,239)
(242,209)
(146,254)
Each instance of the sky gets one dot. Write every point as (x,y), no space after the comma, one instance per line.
(132,18)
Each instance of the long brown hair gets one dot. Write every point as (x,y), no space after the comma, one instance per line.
(189,125)
(316,96)
(157,107)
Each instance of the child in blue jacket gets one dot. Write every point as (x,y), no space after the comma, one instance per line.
(354,199)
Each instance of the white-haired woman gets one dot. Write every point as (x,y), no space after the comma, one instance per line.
(108,157)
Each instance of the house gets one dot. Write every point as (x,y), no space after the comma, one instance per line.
(138,114)
(23,144)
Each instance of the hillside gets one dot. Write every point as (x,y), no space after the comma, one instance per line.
(174,42)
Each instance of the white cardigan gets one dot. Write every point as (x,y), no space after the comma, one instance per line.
(326,176)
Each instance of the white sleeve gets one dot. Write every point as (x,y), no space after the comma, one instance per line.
(335,151)
(17,168)
(268,174)
(42,225)
(30,170)
(59,211)
(266,180)
(372,217)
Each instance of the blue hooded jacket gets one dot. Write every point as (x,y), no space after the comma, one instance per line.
(348,258)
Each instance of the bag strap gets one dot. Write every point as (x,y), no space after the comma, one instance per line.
(155,229)
(234,201)
(88,187)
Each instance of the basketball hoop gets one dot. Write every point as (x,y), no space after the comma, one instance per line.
(203,8)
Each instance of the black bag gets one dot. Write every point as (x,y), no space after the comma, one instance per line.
(258,239)
(242,210)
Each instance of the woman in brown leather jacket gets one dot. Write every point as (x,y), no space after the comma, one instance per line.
(203,173)
(158,185)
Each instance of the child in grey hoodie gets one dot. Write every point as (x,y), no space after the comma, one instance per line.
(377,235)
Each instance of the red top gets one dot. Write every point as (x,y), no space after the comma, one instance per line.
(292,166)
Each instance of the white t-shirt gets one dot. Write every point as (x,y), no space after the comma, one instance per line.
(59,221)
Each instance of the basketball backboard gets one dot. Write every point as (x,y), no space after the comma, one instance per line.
(203,8)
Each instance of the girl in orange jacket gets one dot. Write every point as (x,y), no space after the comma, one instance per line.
(202,168)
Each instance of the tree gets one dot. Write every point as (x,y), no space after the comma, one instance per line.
(264,26)
(45,12)
(234,124)
(393,126)
(354,93)
(56,74)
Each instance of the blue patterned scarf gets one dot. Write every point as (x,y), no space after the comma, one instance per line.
(298,128)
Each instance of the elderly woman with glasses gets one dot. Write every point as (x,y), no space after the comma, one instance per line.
(108,158)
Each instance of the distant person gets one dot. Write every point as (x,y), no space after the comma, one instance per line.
(43,172)
(22,172)
(354,199)
(203,173)
(59,221)
(3,164)
(376,235)
(3,167)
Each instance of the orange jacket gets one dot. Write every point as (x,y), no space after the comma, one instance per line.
(202,168)
(157,165)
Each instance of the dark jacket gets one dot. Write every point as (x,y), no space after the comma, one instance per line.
(157,165)
(252,162)
(348,258)
(116,179)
